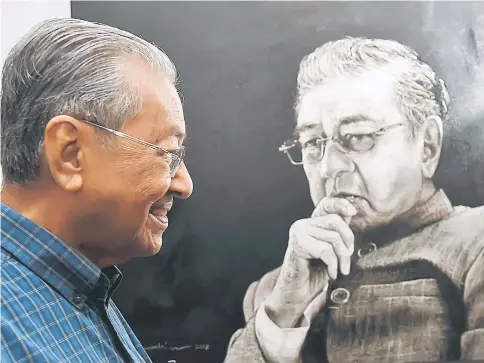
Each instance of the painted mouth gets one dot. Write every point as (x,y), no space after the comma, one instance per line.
(346,195)
(352,198)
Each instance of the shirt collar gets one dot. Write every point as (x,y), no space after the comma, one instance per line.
(434,209)
(437,207)
(66,270)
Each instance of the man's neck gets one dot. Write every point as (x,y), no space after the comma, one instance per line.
(35,202)
(39,203)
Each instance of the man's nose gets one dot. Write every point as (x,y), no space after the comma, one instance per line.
(181,183)
(334,161)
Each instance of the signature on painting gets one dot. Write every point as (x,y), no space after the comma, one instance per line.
(166,347)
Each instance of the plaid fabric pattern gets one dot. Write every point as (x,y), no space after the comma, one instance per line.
(55,304)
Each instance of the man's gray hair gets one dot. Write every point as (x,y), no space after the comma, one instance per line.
(68,67)
(420,93)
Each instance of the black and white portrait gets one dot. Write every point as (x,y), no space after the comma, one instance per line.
(336,155)
(289,105)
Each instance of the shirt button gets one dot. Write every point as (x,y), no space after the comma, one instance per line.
(77,299)
(340,296)
(366,250)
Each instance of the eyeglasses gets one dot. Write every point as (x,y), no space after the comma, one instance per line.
(312,150)
(174,158)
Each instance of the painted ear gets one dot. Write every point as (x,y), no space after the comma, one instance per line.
(432,145)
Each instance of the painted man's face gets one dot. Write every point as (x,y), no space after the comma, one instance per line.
(386,179)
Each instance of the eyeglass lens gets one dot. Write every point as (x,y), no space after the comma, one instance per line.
(313,149)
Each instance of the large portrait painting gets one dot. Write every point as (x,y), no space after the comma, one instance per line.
(336,151)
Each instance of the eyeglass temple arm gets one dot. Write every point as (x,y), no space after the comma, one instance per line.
(285,147)
(132,138)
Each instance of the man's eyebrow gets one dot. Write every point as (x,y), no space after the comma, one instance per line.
(354,119)
(183,137)
(178,130)
(343,121)
(307,127)
(179,133)
(172,131)
(347,120)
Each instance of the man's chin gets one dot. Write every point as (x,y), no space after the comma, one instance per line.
(368,223)
(148,243)
(358,225)
(361,223)
(150,249)
(150,239)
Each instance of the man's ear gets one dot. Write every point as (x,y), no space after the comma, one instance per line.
(432,132)
(63,153)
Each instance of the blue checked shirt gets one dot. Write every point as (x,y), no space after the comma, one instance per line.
(55,304)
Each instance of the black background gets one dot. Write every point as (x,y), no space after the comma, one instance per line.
(238,62)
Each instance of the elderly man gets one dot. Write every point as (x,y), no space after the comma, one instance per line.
(92,158)
(385,269)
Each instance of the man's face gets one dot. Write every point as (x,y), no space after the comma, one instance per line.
(130,183)
(386,179)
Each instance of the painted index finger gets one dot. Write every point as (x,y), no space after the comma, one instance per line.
(338,206)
